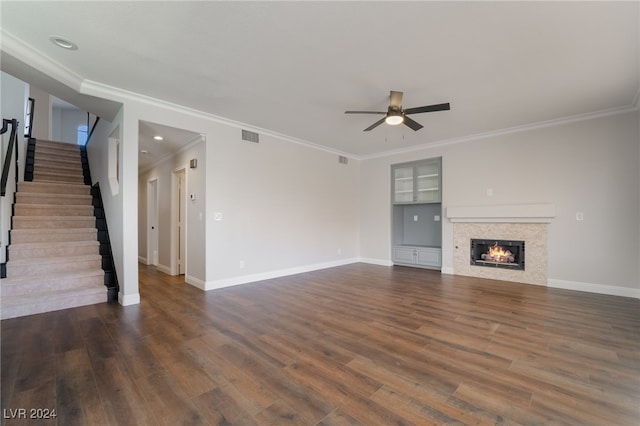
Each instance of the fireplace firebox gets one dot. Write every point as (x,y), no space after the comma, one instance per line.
(507,254)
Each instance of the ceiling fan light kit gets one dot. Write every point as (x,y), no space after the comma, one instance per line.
(396,115)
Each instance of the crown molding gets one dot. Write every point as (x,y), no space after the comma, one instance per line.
(508,130)
(18,49)
(117,94)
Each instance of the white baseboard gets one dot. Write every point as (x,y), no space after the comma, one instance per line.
(595,288)
(129,299)
(246,279)
(196,282)
(447,270)
(142,260)
(165,269)
(381,262)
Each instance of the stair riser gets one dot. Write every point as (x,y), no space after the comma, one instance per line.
(57,153)
(26,198)
(56,177)
(50,159)
(51,188)
(47,268)
(61,146)
(30,210)
(21,222)
(57,159)
(55,284)
(47,305)
(53,251)
(74,169)
(19,237)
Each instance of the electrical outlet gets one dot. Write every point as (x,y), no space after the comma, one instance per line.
(242,264)
(436,218)
(579,216)
(415,218)
(217,216)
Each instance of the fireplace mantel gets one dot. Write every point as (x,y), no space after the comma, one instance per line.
(506,213)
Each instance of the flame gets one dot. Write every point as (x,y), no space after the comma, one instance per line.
(499,254)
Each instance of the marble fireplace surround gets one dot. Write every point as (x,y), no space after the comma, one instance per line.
(528,222)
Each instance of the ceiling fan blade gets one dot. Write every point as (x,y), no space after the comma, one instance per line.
(365,112)
(395,99)
(412,124)
(374,125)
(429,108)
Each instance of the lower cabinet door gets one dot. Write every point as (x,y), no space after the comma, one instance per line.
(404,254)
(429,257)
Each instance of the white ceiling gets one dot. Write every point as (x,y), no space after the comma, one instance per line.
(295,67)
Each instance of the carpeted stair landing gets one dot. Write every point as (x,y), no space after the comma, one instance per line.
(54,257)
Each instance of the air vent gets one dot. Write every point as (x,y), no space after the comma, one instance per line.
(250,136)
(342,159)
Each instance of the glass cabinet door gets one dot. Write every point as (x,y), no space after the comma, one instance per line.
(428,182)
(403,185)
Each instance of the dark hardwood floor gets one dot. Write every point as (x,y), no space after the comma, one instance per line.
(353,345)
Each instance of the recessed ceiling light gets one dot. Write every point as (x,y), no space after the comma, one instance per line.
(158,138)
(63,42)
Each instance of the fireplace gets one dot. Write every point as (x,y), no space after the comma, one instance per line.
(508,254)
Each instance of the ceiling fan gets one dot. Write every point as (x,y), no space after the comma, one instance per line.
(397,115)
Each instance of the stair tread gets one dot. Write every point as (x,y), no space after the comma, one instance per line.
(53,276)
(50,165)
(48,194)
(52,142)
(53,180)
(36,183)
(55,230)
(57,172)
(57,206)
(47,296)
(55,259)
(43,244)
(51,217)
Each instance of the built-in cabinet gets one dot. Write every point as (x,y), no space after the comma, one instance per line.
(416,194)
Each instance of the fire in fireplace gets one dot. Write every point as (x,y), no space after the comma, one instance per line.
(498,253)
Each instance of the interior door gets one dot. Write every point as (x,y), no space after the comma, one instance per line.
(152,222)
(182,197)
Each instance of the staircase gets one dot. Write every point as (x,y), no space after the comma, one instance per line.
(54,259)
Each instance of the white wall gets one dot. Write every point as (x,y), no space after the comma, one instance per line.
(285,207)
(588,166)
(65,123)
(118,204)
(195,226)
(42,124)
(15,94)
